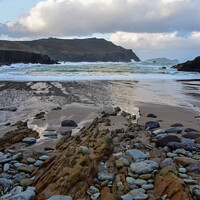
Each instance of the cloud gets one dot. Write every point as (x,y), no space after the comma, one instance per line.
(86,17)
(159,44)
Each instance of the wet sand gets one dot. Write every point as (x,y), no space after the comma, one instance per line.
(82,101)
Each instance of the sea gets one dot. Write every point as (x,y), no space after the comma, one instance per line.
(93,71)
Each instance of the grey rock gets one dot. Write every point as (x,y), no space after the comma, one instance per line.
(191,182)
(194,167)
(127,197)
(106,176)
(188,141)
(161,135)
(140,182)
(25,168)
(167,162)
(17,164)
(70,123)
(183,175)
(92,190)
(177,125)
(162,142)
(38,163)
(138,194)
(26,182)
(60,197)
(158,131)
(84,150)
(18,177)
(130,180)
(125,162)
(173,130)
(136,154)
(18,156)
(164,197)
(182,170)
(5,160)
(148,186)
(95,196)
(29,140)
(50,135)
(6,167)
(171,155)
(166,149)
(152,125)
(144,167)
(44,157)
(196,192)
(12,109)
(31,160)
(6,183)
(66,132)
(178,145)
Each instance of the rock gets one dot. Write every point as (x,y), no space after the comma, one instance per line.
(29,140)
(66,132)
(125,162)
(12,109)
(95,196)
(181,151)
(144,167)
(145,176)
(152,124)
(18,177)
(190,130)
(127,197)
(158,131)
(162,142)
(167,162)
(140,182)
(167,182)
(173,130)
(138,195)
(106,176)
(60,197)
(92,190)
(18,156)
(196,192)
(194,167)
(178,145)
(184,161)
(188,141)
(26,182)
(148,186)
(190,182)
(119,164)
(183,175)
(191,135)
(177,125)
(84,150)
(171,155)
(182,170)
(130,180)
(50,135)
(136,154)
(31,160)
(44,157)
(151,115)
(38,163)
(70,123)
(17,165)
(25,168)
(40,115)
(6,167)
(6,183)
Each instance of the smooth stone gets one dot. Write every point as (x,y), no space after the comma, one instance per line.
(162,142)
(152,125)
(18,177)
(95,196)
(194,167)
(136,154)
(145,176)
(161,135)
(26,182)
(148,186)
(151,115)
(138,194)
(60,197)
(29,140)
(171,155)
(159,131)
(196,191)
(127,197)
(130,180)
(178,145)
(188,141)
(17,165)
(84,150)
(31,160)
(182,170)
(167,162)
(44,157)
(92,190)
(177,125)
(181,151)
(6,160)
(70,123)
(18,156)
(190,182)
(66,132)
(144,167)
(173,130)
(6,183)
(164,197)
(191,135)
(6,167)
(166,149)
(190,130)
(25,168)
(140,182)
(12,109)
(106,176)
(183,175)
(12,151)
(50,135)
(38,163)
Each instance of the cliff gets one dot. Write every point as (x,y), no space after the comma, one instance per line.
(76,50)
(8,57)
(190,66)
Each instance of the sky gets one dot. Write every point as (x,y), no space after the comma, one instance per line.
(151,28)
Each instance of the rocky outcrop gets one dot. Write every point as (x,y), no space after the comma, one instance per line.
(190,66)
(77,50)
(8,57)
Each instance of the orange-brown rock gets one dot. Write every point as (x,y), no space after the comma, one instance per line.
(184,161)
(70,172)
(16,136)
(167,182)
(106,194)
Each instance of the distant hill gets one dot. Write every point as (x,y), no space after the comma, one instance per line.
(76,50)
(190,66)
(163,61)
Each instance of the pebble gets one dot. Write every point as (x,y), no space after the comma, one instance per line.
(182,170)
(92,190)
(106,176)
(44,157)
(29,140)
(119,164)
(138,194)
(26,182)
(183,175)
(95,196)
(171,155)
(130,180)
(136,154)
(148,186)
(6,167)
(158,131)
(60,197)
(84,150)
(140,182)
(18,177)
(31,160)
(18,156)
(38,163)
(127,197)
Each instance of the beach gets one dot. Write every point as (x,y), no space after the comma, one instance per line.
(91,104)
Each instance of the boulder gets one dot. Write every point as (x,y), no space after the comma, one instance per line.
(69,123)
(162,142)
(152,124)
